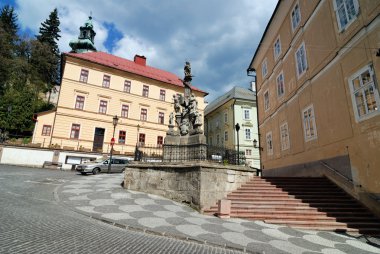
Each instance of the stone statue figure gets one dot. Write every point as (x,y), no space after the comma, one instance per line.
(187,70)
(171,119)
(187,117)
(177,106)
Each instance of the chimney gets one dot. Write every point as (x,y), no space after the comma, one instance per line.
(141,60)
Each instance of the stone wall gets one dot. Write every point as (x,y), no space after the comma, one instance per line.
(199,184)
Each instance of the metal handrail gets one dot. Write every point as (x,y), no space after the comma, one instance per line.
(336,172)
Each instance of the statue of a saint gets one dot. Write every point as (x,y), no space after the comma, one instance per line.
(171,118)
(187,70)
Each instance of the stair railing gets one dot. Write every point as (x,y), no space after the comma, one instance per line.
(371,195)
(337,172)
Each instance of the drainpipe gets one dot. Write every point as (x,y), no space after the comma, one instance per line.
(252,73)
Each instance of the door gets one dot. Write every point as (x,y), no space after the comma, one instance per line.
(98,140)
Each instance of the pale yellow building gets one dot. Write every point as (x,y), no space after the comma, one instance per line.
(317,69)
(95,87)
(237,106)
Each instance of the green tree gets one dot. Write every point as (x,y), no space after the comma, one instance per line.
(49,35)
(8,43)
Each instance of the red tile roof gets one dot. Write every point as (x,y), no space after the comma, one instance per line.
(132,67)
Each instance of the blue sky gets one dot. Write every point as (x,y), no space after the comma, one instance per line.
(218,37)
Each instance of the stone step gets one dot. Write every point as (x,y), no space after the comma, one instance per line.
(308,223)
(300,217)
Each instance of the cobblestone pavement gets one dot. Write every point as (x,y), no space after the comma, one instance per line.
(102,197)
(31,221)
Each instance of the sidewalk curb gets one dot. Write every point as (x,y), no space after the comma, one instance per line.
(149,231)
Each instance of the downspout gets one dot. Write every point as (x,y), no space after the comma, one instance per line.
(252,73)
(233,124)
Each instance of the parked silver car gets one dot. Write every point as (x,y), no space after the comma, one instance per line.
(101,165)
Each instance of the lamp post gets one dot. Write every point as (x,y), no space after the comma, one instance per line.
(255,145)
(115,119)
(237,128)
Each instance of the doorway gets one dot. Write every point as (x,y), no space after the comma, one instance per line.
(98,139)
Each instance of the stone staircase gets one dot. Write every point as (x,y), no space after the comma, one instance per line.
(307,203)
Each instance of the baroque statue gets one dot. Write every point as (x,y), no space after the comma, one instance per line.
(187,118)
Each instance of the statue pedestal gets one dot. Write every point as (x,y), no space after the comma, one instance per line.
(185,148)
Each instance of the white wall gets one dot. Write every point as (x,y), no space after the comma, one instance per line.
(27,157)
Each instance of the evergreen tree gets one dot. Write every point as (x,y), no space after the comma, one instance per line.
(8,42)
(49,35)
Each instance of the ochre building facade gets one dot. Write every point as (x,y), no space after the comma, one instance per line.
(97,86)
(317,70)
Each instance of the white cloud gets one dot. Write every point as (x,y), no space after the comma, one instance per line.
(217,37)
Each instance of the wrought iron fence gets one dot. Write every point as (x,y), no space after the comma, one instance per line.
(181,153)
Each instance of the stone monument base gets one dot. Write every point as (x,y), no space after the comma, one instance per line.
(185,148)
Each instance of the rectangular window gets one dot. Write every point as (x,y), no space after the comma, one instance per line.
(264,68)
(161,117)
(143,114)
(122,135)
(226,136)
(346,12)
(103,107)
(280,85)
(364,93)
(248,134)
(248,152)
(277,48)
(127,86)
(269,143)
(124,111)
(247,114)
(284,134)
(301,60)
(211,141)
(266,100)
(75,128)
(145,91)
(83,76)
(225,117)
(217,139)
(296,17)
(46,129)
(142,139)
(309,125)
(106,81)
(162,95)
(79,103)
(160,140)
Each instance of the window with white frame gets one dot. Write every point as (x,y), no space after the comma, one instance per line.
(248,152)
(127,86)
(284,134)
(248,134)
(280,84)
(226,136)
(247,114)
(296,17)
(269,143)
(309,126)
(346,12)
(365,93)
(106,81)
(277,48)
(124,111)
(301,60)
(266,100)
(264,68)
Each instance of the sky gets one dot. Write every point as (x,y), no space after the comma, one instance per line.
(218,37)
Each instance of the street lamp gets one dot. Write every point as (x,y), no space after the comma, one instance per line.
(237,128)
(115,119)
(255,145)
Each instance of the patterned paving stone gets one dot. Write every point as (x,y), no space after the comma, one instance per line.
(116,216)
(319,240)
(235,227)
(131,208)
(275,233)
(307,245)
(287,247)
(87,209)
(214,228)
(102,202)
(152,222)
(141,214)
(363,246)
(257,235)
(165,214)
(191,230)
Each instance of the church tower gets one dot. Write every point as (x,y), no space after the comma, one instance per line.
(85,41)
